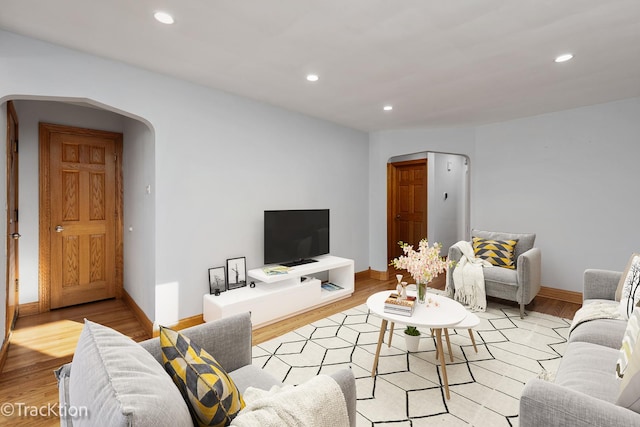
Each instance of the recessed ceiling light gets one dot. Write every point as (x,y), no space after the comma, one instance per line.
(163,17)
(387,107)
(564,58)
(312,77)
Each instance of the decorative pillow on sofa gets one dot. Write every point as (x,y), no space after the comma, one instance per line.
(121,383)
(628,343)
(629,286)
(497,252)
(629,396)
(212,396)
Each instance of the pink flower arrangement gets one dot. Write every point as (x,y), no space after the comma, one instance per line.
(425,264)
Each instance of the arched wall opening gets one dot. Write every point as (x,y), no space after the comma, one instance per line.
(138,165)
(447,196)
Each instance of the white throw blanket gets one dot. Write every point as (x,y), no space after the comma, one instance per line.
(468,278)
(596,310)
(318,402)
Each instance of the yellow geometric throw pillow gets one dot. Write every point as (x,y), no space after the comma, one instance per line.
(497,252)
(212,396)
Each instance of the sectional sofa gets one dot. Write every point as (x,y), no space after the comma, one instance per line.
(586,390)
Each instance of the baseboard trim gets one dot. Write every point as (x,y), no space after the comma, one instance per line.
(182,323)
(561,295)
(147,324)
(378,275)
(3,352)
(28,309)
(363,274)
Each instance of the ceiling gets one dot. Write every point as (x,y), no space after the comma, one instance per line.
(438,63)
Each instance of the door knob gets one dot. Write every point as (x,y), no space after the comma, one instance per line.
(59,229)
(15,236)
(398,216)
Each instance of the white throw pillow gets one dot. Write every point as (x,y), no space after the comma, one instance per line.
(630,384)
(628,343)
(631,287)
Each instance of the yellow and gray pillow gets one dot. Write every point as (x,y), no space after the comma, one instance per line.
(498,252)
(212,396)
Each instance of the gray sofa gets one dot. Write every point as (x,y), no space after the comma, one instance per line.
(520,285)
(585,388)
(227,340)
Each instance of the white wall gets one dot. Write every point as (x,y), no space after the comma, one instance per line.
(220,161)
(447,217)
(387,144)
(138,170)
(570,177)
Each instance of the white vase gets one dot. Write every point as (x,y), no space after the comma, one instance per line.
(412,342)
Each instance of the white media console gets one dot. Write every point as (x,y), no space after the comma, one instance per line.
(279,296)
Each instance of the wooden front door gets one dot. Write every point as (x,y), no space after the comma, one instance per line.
(13,231)
(81,214)
(407,204)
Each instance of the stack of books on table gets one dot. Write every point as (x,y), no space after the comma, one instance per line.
(403,307)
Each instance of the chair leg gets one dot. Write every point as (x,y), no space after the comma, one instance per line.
(522,313)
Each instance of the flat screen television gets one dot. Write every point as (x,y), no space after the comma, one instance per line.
(293,237)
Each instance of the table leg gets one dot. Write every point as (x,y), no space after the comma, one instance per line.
(473,340)
(446,334)
(383,329)
(443,363)
(391,334)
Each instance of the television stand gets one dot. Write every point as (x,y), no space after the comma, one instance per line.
(279,296)
(302,261)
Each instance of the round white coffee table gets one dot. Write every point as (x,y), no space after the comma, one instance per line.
(441,313)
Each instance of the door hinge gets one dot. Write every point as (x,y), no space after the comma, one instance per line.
(17,285)
(16,216)
(15,146)
(115,157)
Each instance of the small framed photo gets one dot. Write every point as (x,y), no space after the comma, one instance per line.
(217,280)
(236,273)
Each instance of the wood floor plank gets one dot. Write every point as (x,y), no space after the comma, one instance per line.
(43,342)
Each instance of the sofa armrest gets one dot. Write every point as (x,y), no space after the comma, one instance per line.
(228,340)
(529,273)
(62,375)
(547,404)
(454,256)
(600,284)
(347,383)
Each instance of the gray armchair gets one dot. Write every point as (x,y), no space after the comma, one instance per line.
(520,285)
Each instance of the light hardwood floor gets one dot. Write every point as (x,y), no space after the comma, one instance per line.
(41,343)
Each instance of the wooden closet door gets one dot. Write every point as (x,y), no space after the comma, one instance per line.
(82,183)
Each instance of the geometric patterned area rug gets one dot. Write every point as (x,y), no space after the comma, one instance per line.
(485,387)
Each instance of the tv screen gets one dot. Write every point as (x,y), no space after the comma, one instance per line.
(294,236)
